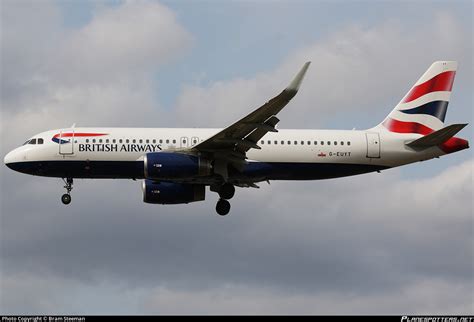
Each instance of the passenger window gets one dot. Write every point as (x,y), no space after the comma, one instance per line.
(348,142)
(113,141)
(33,141)
(106,140)
(289,142)
(329,142)
(140,141)
(87,140)
(120,141)
(127,141)
(174,141)
(133,141)
(161,141)
(154,141)
(262,142)
(93,140)
(322,142)
(147,141)
(342,142)
(100,140)
(296,142)
(195,141)
(167,141)
(269,142)
(315,142)
(335,142)
(302,142)
(309,142)
(276,142)
(282,142)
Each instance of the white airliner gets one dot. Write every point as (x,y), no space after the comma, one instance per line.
(176,164)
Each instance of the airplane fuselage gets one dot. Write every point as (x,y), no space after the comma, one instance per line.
(285,155)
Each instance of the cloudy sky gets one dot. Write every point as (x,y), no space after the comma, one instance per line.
(398,242)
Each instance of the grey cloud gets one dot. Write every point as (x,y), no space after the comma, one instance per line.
(99,75)
(354,71)
(362,243)
(133,38)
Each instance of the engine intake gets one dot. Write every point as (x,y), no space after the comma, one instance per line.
(172,193)
(169,165)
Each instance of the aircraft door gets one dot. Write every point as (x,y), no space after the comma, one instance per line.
(66,142)
(373,145)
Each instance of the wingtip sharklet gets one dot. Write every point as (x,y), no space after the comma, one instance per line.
(295,84)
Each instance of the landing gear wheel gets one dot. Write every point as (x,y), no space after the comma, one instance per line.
(223,207)
(227,191)
(66,199)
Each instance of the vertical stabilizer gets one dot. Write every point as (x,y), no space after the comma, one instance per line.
(423,109)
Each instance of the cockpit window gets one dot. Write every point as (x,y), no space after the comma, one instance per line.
(40,141)
(33,141)
(26,142)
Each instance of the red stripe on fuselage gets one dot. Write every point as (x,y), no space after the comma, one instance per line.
(440,83)
(68,135)
(452,145)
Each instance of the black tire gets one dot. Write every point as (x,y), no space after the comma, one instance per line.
(66,199)
(223,207)
(227,191)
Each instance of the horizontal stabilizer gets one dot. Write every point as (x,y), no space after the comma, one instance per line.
(437,137)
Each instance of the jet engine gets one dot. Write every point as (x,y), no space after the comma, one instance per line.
(169,165)
(172,193)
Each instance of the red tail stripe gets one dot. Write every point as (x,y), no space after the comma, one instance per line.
(406,127)
(441,82)
(454,144)
(68,135)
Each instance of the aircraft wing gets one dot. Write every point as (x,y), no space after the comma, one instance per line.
(232,143)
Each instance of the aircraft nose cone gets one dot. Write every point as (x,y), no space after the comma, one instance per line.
(11,160)
(8,158)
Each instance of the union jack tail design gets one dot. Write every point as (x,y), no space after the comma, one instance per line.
(424,107)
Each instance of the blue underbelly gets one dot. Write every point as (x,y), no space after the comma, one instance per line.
(253,171)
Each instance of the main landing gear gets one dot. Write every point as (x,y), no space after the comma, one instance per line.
(225,191)
(66,198)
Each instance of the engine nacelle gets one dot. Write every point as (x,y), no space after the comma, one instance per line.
(172,193)
(169,165)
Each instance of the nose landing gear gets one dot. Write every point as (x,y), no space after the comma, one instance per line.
(66,198)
